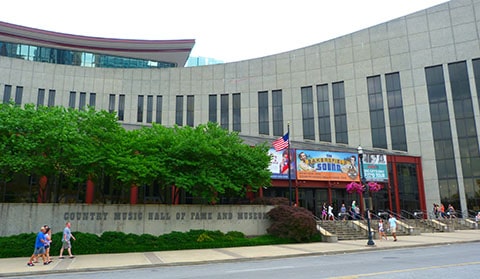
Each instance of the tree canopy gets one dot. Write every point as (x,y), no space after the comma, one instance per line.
(205,161)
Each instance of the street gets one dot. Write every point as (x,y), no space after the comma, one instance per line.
(445,261)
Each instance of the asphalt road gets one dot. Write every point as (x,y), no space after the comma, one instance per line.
(447,261)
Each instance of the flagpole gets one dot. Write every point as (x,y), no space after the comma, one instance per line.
(289,167)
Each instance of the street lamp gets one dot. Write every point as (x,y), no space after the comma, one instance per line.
(367,190)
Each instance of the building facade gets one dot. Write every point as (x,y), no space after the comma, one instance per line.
(407,88)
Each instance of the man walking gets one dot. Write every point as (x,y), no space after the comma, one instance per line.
(39,248)
(392,221)
(67,235)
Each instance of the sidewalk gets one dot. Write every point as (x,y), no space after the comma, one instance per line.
(18,266)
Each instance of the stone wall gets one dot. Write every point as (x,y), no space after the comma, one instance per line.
(137,219)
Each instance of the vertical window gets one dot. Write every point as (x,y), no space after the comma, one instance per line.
(466,131)
(442,136)
(71,99)
(237,114)
(121,107)
(323,109)
(307,113)
(190,110)
(212,108)
(111,103)
(179,111)
(41,97)
(83,100)
(93,100)
(158,114)
(224,119)
(277,111)
(377,117)
(263,121)
(18,95)
(395,112)
(140,108)
(149,108)
(340,112)
(7,93)
(51,97)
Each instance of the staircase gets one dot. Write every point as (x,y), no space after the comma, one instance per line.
(344,230)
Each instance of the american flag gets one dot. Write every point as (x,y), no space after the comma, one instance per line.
(281,143)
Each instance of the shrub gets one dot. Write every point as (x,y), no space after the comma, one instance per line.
(295,223)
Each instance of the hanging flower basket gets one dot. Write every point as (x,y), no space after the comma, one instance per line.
(354,187)
(374,186)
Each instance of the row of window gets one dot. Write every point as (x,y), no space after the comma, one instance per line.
(75,58)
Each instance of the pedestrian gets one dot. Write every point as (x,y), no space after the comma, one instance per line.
(67,235)
(381,230)
(48,241)
(324,212)
(39,248)
(343,212)
(330,212)
(392,221)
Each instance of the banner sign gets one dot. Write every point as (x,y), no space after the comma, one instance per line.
(375,167)
(322,165)
(279,163)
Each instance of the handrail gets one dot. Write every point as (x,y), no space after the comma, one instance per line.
(398,216)
(409,214)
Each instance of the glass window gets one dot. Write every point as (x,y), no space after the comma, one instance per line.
(179,110)
(7,93)
(41,97)
(51,97)
(18,95)
(190,110)
(340,112)
(323,109)
(111,103)
(307,113)
(158,114)
(395,112)
(224,112)
(149,108)
(93,99)
(263,119)
(121,107)
(377,117)
(83,100)
(212,108)
(277,111)
(237,113)
(140,108)
(71,100)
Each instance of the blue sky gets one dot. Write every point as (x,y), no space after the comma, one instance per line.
(223,29)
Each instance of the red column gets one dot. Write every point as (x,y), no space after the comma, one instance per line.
(90,191)
(134,194)
(42,189)
(175,195)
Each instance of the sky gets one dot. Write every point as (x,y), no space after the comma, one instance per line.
(228,30)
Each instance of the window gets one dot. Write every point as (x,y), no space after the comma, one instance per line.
(111,103)
(377,117)
(93,99)
(71,99)
(41,97)
(51,97)
(224,117)
(18,95)
(190,110)
(340,112)
(395,112)
(83,100)
(158,114)
(149,108)
(7,92)
(212,108)
(263,121)
(121,107)
(237,113)
(442,135)
(179,111)
(323,109)
(277,110)
(307,113)
(140,108)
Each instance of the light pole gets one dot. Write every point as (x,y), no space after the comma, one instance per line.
(367,200)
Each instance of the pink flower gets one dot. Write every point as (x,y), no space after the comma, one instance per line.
(354,187)
(374,186)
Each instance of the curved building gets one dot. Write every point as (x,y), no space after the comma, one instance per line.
(406,88)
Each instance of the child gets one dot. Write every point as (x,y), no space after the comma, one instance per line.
(381,230)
